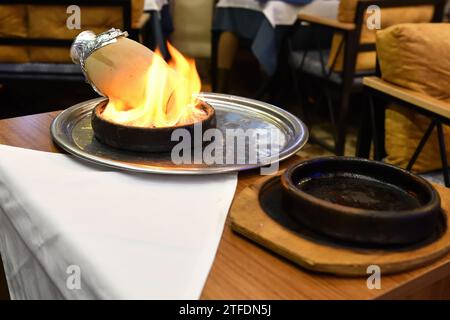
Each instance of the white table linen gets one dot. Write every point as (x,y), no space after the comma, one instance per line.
(155,5)
(283,13)
(133,236)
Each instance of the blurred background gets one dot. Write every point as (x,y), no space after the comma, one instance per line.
(236,42)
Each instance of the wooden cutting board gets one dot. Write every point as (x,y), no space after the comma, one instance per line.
(250,220)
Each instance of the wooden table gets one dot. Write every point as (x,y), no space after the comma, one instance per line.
(243,270)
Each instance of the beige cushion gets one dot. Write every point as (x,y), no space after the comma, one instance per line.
(404,129)
(415,56)
(389,17)
(50,22)
(13,23)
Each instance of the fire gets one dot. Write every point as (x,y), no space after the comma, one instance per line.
(169,98)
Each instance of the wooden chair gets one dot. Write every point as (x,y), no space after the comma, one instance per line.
(436,110)
(313,62)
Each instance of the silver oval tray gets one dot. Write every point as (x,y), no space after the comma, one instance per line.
(72,131)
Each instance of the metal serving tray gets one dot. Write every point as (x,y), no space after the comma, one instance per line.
(72,131)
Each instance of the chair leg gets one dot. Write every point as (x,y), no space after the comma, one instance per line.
(315,108)
(264,88)
(158,38)
(331,112)
(342,125)
(377,128)
(330,108)
(422,143)
(225,49)
(379,119)
(299,96)
(364,133)
(214,53)
(443,153)
(222,81)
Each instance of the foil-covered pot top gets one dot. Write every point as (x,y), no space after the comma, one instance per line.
(87,42)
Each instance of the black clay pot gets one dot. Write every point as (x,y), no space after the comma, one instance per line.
(361,201)
(143,139)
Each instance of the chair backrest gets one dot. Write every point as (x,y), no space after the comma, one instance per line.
(355,49)
(36,30)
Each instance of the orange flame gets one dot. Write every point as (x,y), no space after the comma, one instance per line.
(170,95)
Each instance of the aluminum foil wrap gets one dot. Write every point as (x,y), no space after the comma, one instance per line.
(87,42)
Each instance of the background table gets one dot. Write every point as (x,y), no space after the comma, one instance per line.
(243,270)
(265,24)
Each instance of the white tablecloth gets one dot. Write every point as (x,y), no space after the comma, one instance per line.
(130,235)
(283,13)
(154,4)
